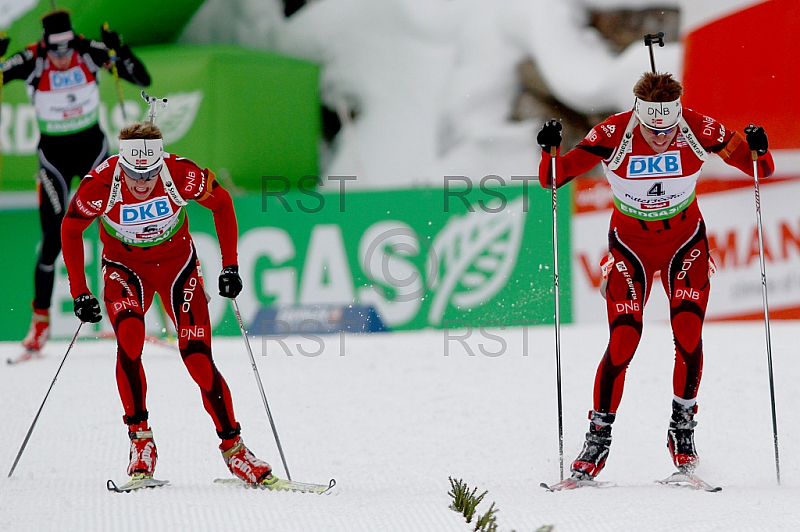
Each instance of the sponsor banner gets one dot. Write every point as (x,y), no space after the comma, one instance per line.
(316,319)
(421,258)
(729,211)
(211,117)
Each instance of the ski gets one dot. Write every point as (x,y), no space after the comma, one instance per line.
(280,484)
(136,483)
(689,480)
(572,483)
(26,355)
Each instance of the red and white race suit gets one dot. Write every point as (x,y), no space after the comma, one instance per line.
(147,249)
(656,225)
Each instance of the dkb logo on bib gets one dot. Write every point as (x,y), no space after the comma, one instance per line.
(73,77)
(662,165)
(148,211)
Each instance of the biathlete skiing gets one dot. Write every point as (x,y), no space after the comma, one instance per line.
(652,157)
(139,198)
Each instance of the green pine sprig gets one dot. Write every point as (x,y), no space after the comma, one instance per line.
(466,501)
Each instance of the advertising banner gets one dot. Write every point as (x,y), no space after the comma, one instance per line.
(728,207)
(443,258)
(244,113)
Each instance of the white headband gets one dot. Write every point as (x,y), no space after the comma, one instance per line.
(59,38)
(658,115)
(141,155)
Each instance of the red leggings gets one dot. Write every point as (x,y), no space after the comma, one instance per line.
(129,290)
(681,254)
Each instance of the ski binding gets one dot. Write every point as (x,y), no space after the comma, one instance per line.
(575,482)
(685,477)
(136,482)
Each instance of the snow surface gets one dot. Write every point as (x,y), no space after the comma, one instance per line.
(391,417)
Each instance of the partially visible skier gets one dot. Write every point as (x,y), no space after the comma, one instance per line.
(61,72)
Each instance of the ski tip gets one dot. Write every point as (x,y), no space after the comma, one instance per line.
(545,486)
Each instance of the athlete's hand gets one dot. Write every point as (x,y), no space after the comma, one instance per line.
(87,308)
(550,135)
(230,284)
(4,45)
(756,139)
(111,39)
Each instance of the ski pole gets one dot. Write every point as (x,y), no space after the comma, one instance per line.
(754,157)
(30,430)
(112,55)
(553,151)
(260,386)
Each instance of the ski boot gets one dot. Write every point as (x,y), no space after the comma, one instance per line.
(680,437)
(143,454)
(243,463)
(592,459)
(39,331)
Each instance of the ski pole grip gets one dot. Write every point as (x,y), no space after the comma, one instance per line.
(753,155)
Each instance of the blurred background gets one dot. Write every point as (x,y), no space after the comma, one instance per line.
(382,155)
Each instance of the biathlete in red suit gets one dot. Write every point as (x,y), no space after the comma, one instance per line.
(652,157)
(139,198)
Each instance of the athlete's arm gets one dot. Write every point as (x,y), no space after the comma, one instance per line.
(596,146)
(730,145)
(129,67)
(220,203)
(19,65)
(86,205)
(737,153)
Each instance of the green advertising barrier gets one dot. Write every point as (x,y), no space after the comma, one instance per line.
(140,22)
(243,113)
(420,257)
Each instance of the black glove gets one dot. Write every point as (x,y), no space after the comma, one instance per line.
(4,45)
(230,284)
(756,139)
(87,308)
(111,39)
(550,135)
